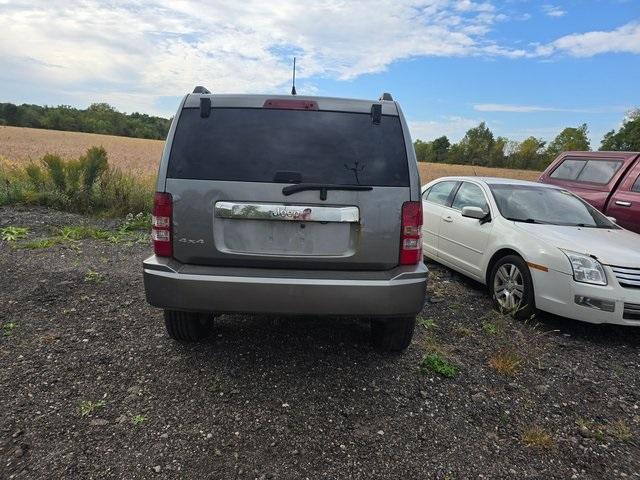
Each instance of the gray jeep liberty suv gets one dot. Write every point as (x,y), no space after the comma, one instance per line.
(287,205)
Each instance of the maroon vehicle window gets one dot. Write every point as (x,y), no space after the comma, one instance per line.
(599,171)
(636,186)
(569,169)
(591,171)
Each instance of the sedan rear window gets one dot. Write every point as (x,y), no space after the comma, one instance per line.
(439,193)
(591,171)
(289,146)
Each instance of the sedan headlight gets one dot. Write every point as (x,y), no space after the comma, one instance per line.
(586,269)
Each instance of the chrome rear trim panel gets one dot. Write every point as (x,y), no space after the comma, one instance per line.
(283,212)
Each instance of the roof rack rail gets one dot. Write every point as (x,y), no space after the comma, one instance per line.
(201,89)
(386,96)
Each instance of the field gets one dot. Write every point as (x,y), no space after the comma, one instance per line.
(140,156)
(133,155)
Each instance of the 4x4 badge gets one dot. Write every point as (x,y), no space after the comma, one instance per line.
(189,240)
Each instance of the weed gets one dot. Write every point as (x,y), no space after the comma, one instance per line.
(138,419)
(426,322)
(537,437)
(41,243)
(86,184)
(506,362)
(11,234)
(436,363)
(87,407)
(7,328)
(462,331)
(619,430)
(93,277)
(495,323)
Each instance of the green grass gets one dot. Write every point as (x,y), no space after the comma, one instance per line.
(426,322)
(41,243)
(93,277)
(436,363)
(11,234)
(7,328)
(138,419)
(133,230)
(88,407)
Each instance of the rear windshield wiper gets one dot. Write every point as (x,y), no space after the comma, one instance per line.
(323,187)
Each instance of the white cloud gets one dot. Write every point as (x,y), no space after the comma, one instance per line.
(625,39)
(553,11)
(453,127)
(135,52)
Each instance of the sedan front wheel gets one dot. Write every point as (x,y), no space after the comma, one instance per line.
(511,287)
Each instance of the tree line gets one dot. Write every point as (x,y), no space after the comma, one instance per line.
(479,146)
(98,118)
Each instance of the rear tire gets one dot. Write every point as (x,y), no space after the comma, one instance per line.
(187,326)
(392,334)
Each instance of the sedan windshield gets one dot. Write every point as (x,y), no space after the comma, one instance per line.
(533,204)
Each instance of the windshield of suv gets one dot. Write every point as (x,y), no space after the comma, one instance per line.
(289,146)
(532,204)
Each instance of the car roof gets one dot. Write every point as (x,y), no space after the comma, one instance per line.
(354,105)
(495,181)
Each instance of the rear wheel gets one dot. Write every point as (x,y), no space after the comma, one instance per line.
(392,334)
(511,287)
(188,326)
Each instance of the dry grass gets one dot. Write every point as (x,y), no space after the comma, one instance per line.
(431,171)
(537,437)
(137,156)
(140,156)
(506,362)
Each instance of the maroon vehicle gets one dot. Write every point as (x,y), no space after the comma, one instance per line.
(610,181)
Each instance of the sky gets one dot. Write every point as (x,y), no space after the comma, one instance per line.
(526,67)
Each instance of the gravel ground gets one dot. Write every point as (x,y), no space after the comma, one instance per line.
(91,387)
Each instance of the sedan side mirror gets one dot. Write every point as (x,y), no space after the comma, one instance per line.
(473,212)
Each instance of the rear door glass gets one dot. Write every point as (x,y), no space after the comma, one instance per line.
(470,195)
(569,169)
(636,186)
(267,145)
(440,193)
(599,171)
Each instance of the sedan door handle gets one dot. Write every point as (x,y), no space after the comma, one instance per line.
(623,204)
(448,219)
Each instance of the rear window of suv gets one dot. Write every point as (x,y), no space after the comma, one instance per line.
(257,145)
(591,171)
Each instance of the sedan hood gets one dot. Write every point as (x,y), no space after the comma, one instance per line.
(611,247)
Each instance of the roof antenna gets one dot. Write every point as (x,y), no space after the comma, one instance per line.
(293,85)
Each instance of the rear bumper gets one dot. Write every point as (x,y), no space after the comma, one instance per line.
(172,285)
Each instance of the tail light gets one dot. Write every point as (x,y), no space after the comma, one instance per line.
(161,225)
(411,236)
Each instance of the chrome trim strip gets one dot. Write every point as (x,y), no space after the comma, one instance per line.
(283,212)
(313,282)
(629,271)
(635,283)
(626,276)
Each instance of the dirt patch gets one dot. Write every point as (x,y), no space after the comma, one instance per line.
(91,387)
